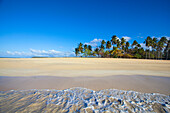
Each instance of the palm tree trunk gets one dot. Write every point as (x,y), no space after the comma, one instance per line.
(146,55)
(167,54)
(161,55)
(158,55)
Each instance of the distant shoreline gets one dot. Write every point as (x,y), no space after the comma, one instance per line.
(87,58)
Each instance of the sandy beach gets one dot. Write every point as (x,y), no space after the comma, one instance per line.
(84,85)
(149,76)
(78,67)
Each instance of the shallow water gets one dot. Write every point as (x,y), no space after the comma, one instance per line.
(82,100)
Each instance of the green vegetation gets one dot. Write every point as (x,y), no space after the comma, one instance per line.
(120,48)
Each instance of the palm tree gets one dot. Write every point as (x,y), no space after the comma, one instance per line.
(89,50)
(154,45)
(80,48)
(97,51)
(118,43)
(114,51)
(167,50)
(141,52)
(103,42)
(123,40)
(138,49)
(163,41)
(106,53)
(134,43)
(138,45)
(159,48)
(76,51)
(147,42)
(114,39)
(108,46)
(102,48)
(127,46)
(89,47)
(134,47)
(85,46)
(102,45)
(93,53)
(85,50)
(118,47)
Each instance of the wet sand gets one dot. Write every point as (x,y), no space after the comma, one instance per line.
(140,83)
(150,76)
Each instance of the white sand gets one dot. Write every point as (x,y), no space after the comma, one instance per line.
(72,67)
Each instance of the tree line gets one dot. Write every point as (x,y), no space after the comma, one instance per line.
(120,48)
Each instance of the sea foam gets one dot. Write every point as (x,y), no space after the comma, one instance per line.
(82,100)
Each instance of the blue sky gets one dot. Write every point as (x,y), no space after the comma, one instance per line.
(55,27)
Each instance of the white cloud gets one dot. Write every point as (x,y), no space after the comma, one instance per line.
(94,42)
(15,53)
(167,37)
(52,53)
(49,52)
(143,45)
(127,38)
(118,38)
(38,53)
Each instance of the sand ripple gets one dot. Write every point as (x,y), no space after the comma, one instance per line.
(82,100)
